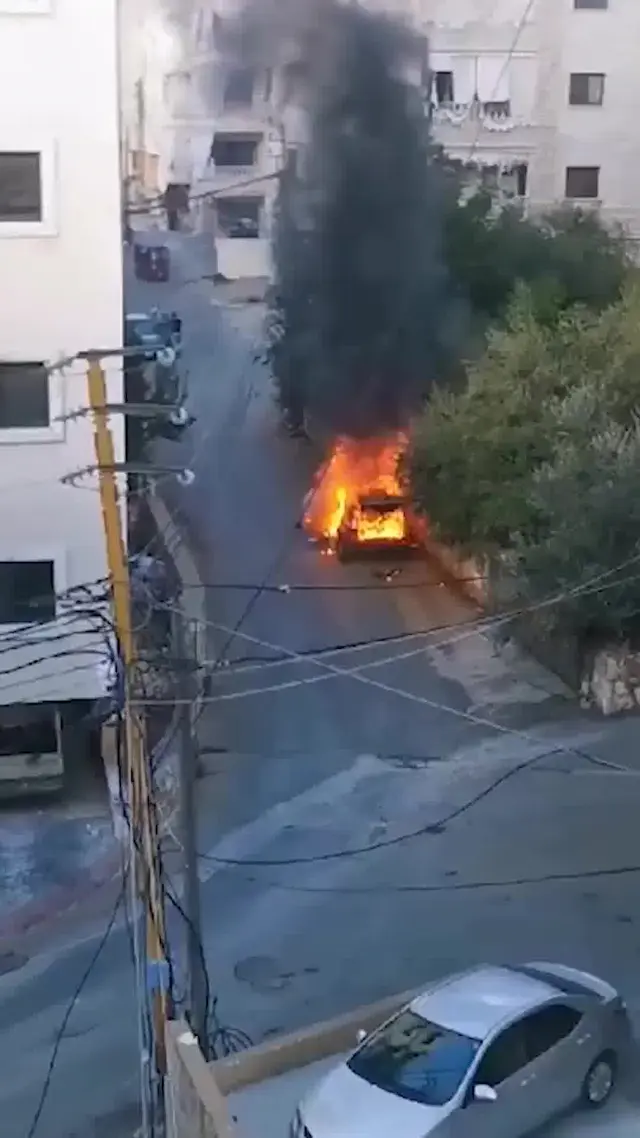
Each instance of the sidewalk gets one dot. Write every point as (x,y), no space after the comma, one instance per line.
(50,863)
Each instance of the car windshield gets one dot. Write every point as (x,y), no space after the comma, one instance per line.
(143,326)
(415,1060)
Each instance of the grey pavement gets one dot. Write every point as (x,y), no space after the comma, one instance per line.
(457,768)
(54,850)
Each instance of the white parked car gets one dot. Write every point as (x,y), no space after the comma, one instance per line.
(490,1053)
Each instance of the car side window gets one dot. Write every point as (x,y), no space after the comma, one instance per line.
(549,1026)
(503,1058)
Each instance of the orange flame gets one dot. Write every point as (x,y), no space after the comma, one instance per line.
(354,472)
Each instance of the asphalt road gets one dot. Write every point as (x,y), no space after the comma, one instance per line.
(320,769)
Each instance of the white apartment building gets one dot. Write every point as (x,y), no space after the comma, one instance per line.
(61,288)
(194,120)
(543,91)
(232,145)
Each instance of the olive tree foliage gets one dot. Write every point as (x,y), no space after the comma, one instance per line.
(475,458)
(588,550)
(566,257)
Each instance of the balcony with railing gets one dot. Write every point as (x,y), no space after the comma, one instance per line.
(483,101)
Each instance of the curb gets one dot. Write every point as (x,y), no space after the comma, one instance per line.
(186,568)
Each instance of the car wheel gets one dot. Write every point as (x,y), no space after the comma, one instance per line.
(600,1080)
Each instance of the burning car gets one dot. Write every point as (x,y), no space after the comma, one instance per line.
(376,524)
(357,505)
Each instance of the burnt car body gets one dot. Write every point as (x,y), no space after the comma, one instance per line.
(378,524)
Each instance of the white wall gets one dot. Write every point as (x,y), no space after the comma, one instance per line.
(556,40)
(61,292)
(608,42)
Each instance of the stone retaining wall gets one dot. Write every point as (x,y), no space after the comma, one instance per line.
(196,1092)
(611,682)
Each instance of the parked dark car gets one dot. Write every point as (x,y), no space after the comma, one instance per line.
(152,262)
(152,331)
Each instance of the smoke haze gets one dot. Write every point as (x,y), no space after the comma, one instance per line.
(367,317)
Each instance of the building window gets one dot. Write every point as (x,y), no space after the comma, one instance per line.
(591,3)
(234,151)
(291,161)
(268,84)
(294,80)
(586,89)
(239,88)
(20,186)
(512,183)
(239,217)
(521,173)
(24,396)
(27,592)
(582,182)
(443,88)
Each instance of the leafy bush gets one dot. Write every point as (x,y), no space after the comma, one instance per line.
(589,502)
(539,391)
(566,257)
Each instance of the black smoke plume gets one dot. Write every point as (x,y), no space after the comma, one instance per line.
(362,320)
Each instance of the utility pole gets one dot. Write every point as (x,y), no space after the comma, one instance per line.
(143,830)
(195,964)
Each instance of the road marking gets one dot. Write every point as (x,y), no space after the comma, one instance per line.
(249,839)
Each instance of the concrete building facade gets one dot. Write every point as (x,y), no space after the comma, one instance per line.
(544,89)
(230,143)
(542,92)
(61,286)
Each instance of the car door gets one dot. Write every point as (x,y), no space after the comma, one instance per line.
(557,1049)
(503,1066)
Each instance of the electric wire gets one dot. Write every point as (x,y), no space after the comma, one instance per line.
(60,1034)
(282,655)
(432,827)
(222,1040)
(158,201)
(472,886)
(528,8)
(389,586)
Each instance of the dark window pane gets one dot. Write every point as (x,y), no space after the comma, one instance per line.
(239,217)
(547,1027)
(292,161)
(24,395)
(522,174)
(20,186)
(238,89)
(582,182)
(586,89)
(501,1060)
(234,151)
(27,592)
(591,3)
(37,738)
(443,85)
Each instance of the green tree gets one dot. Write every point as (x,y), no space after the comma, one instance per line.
(588,498)
(567,257)
(473,455)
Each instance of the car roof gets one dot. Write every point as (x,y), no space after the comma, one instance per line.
(138,316)
(474,1003)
